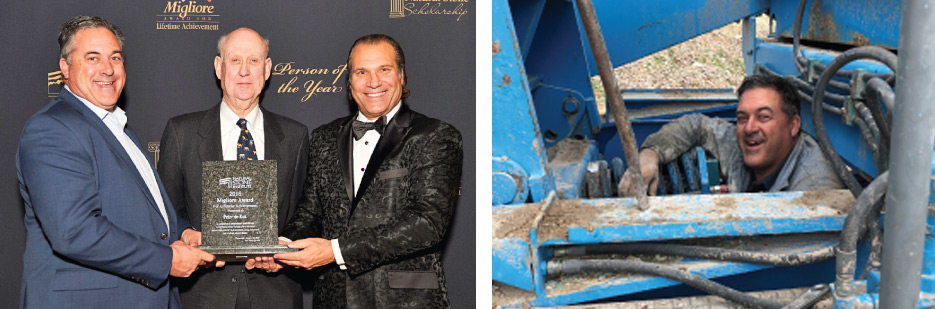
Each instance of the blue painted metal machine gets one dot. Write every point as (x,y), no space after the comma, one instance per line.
(557,161)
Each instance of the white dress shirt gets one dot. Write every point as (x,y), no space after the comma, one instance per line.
(363,150)
(230,132)
(116,121)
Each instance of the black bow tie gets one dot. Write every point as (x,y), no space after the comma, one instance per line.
(360,127)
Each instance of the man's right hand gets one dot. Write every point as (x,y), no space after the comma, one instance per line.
(186,259)
(649,170)
(265,263)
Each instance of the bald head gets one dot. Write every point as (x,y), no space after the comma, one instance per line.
(243,35)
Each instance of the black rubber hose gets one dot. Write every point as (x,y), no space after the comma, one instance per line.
(861,125)
(864,213)
(579,266)
(833,97)
(800,61)
(869,128)
(880,153)
(867,133)
(854,226)
(885,92)
(875,236)
(876,93)
(863,216)
(828,107)
(711,253)
(875,132)
(881,149)
(879,94)
(867,203)
(871,52)
(797,57)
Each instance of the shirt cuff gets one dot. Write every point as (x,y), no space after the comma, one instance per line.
(337,254)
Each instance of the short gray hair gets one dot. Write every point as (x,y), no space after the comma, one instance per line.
(66,34)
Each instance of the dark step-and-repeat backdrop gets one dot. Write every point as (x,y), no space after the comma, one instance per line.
(169,52)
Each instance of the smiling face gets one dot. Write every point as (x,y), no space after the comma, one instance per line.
(94,70)
(243,68)
(765,133)
(376,82)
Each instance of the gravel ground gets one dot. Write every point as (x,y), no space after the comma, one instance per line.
(711,60)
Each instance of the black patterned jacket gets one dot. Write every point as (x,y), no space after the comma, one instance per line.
(390,233)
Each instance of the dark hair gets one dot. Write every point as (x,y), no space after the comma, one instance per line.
(788,95)
(373,39)
(66,34)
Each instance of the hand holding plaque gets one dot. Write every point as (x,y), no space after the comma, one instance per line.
(239,209)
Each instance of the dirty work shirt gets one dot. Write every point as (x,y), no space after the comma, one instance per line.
(806,167)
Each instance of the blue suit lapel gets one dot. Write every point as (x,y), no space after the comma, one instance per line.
(170,209)
(144,187)
(123,159)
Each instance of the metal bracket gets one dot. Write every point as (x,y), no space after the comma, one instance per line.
(811,74)
(856,96)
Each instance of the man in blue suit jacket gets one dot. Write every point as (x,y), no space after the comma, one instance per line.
(100,230)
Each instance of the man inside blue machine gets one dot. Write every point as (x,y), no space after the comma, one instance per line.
(764,152)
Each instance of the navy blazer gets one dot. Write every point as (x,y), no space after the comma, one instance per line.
(95,237)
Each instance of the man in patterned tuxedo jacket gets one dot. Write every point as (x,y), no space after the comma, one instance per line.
(381,191)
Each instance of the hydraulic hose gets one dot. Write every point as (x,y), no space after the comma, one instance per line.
(833,97)
(579,266)
(828,107)
(797,57)
(723,254)
(854,226)
(876,146)
(880,94)
(861,125)
(881,148)
(863,216)
(864,52)
(874,131)
(875,236)
(800,61)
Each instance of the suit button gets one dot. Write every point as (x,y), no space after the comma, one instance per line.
(163,236)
